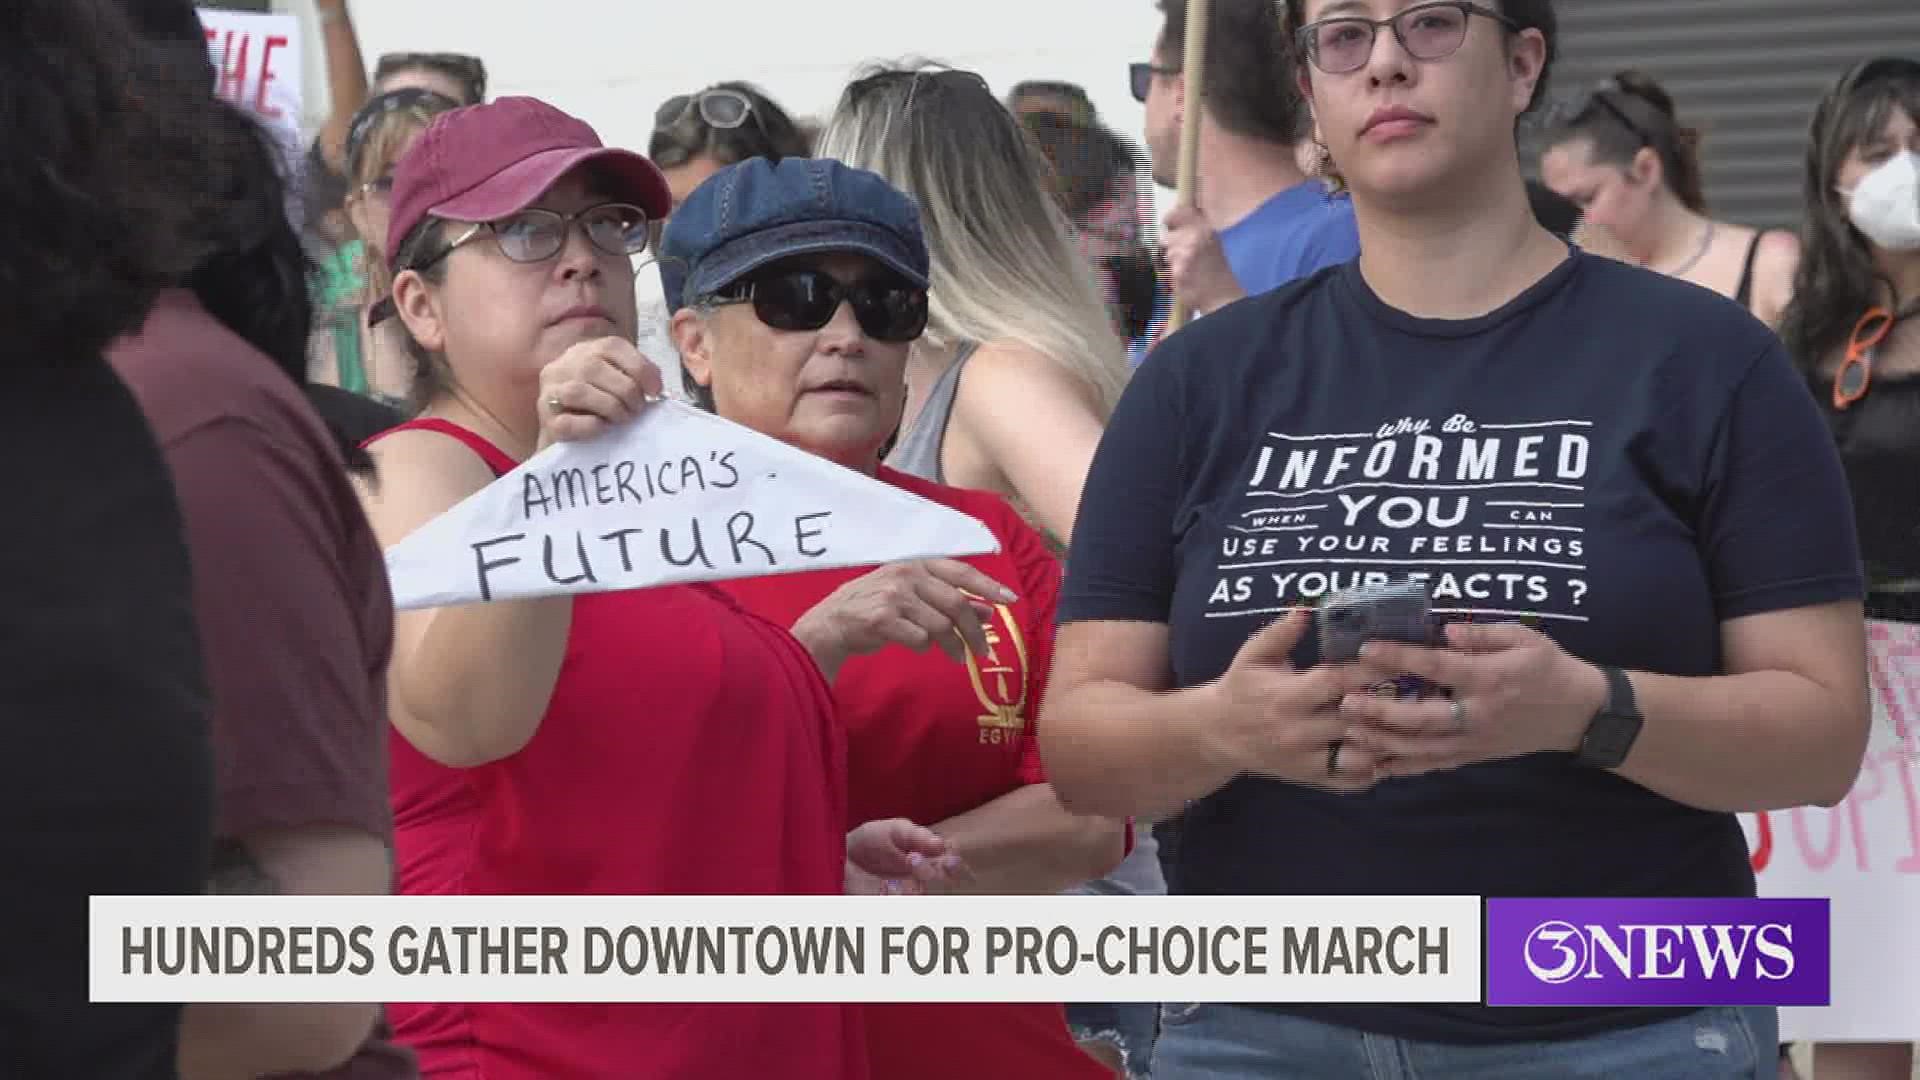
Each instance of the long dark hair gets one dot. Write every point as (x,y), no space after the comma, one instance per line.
(1837,280)
(1628,112)
(88,236)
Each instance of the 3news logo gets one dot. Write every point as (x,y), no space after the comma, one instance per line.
(1658,952)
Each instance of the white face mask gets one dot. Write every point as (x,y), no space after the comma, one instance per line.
(1885,205)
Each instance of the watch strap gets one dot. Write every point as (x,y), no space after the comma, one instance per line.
(1611,733)
(1619,692)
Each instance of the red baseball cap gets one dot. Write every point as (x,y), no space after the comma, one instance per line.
(485,162)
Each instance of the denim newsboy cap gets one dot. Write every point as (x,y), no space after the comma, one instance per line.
(755,213)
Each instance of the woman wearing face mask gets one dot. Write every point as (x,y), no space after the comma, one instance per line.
(641,742)
(1629,516)
(805,288)
(1854,329)
(1623,156)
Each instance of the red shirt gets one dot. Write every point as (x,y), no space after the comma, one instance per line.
(689,748)
(928,739)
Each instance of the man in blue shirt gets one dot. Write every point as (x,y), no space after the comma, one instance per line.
(1259,220)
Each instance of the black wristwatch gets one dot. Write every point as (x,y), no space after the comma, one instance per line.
(1612,731)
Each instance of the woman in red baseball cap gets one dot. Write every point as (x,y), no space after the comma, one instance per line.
(652,741)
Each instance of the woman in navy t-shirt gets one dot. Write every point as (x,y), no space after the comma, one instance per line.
(1628,513)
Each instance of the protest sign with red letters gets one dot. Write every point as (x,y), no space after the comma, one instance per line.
(258,58)
(1865,855)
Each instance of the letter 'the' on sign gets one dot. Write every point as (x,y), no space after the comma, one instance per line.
(676,496)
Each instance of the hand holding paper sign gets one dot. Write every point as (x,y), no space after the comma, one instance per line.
(593,385)
(913,604)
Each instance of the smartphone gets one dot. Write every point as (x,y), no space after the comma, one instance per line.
(1394,611)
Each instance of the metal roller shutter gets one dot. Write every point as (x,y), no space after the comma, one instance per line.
(1747,73)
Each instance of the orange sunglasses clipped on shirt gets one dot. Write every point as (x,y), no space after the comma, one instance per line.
(1856,371)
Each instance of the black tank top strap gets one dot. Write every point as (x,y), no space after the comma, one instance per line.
(1744,294)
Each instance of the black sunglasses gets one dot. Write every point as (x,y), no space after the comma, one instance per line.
(887,309)
(949,77)
(1140,78)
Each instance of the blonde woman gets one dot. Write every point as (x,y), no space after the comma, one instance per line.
(1020,366)
(348,352)
(1011,385)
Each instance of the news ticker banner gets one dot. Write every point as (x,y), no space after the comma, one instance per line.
(1864,855)
(1332,949)
(784,949)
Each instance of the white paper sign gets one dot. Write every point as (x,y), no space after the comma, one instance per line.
(258,61)
(678,495)
(1865,856)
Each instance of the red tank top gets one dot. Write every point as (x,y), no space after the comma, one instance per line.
(689,748)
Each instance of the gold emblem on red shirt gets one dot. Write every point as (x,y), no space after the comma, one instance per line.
(1000,679)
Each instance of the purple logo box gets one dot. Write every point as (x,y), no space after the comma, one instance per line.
(1693,952)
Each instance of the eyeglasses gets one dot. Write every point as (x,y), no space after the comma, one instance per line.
(1140,78)
(536,235)
(720,108)
(886,309)
(1428,32)
(1856,371)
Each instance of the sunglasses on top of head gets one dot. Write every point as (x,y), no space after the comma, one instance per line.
(718,108)
(887,308)
(1434,31)
(466,70)
(949,78)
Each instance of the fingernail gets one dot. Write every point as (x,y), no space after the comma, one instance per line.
(1008,596)
(893,888)
(951,862)
(915,860)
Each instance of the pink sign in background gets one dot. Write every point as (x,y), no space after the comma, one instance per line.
(1863,854)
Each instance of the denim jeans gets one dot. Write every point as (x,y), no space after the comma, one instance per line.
(1131,1026)
(1231,1042)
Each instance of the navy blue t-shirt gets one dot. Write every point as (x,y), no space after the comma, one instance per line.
(1616,457)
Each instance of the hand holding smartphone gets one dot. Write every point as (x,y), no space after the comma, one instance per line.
(1396,611)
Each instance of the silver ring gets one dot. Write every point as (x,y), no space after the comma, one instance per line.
(554,404)
(1459,715)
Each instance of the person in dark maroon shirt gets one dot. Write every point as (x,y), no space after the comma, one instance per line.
(290,589)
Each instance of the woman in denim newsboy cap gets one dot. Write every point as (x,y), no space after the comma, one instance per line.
(798,288)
